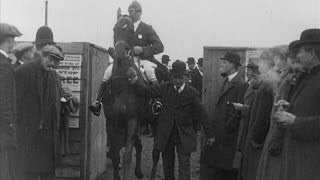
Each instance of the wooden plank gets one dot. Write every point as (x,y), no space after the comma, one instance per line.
(71,160)
(75,135)
(68,172)
(71,48)
(74,147)
(66,178)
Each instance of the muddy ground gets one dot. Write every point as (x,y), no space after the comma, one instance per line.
(146,163)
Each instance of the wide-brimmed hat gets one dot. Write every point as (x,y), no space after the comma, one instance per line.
(190,60)
(179,68)
(200,62)
(52,51)
(7,30)
(165,58)
(232,57)
(308,36)
(44,36)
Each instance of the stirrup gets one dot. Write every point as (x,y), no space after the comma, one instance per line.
(96,108)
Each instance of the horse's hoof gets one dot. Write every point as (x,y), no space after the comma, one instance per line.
(138,174)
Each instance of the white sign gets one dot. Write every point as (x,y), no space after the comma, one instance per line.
(70,71)
(71,60)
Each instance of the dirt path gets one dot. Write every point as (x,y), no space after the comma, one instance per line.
(146,163)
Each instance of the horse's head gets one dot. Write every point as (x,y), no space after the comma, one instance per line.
(123,37)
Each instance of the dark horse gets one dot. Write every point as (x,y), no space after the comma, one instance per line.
(122,107)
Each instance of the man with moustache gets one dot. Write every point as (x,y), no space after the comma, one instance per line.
(301,120)
(218,163)
(175,131)
(8,141)
(38,104)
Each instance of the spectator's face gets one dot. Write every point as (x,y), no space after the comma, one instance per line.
(11,42)
(200,68)
(28,55)
(226,67)
(191,66)
(178,81)
(250,74)
(49,62)
(305,57)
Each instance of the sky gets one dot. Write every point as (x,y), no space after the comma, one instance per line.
(184,26)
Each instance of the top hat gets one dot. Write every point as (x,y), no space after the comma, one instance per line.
(165,58)
(190,60)
(44,36)
(7,30)
(232,57)
(200,62)
(179,68)
(309,36)
(53,51)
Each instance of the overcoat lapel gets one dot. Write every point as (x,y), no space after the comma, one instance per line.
(299,89)
(230,85)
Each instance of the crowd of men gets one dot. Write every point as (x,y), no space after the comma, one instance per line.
(264,128)
(33,106)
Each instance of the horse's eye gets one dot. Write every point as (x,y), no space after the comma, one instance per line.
(124,26)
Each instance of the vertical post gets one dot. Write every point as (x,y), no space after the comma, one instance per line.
(46,16)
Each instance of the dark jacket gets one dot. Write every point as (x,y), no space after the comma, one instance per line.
(146,37)
(180,108)
(259,123)
(38,102)
(7,105)
(301,145)
(226,124)
(196,80)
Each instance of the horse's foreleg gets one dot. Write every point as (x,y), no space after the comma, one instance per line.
(115,161)
(131,138)
(155,160)
(138,147)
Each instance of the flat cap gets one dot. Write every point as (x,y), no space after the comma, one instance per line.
(135,5)
(22,47)
(7,30)
(52,51)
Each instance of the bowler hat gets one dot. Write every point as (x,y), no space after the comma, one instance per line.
(254,67)
(232,57)
(165,58)
(200,62)
(308,36)
(7,30)
(135,5)
(44,36)
(190,60)
(179,68)
(52,51)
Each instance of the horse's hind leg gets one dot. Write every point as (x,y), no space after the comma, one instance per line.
(131,138)
(138,147)
(155,160)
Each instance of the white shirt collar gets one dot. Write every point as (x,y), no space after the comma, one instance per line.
(136,25)
(4,53)
(181,88)
(231,76)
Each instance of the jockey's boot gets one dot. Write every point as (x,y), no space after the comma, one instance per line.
(95,108)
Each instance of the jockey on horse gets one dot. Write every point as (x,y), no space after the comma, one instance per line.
(146,44)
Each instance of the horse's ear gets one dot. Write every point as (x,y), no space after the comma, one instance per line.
(119,13)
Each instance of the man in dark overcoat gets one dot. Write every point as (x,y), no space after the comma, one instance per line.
(225,122)
(301,120)
(181,105)
(195,75)
(38,103)
(253,81)
(8,141)
(162,73)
